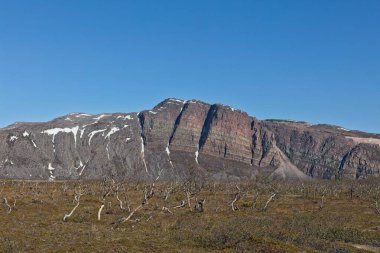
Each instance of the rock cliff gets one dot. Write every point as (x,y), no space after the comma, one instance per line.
(180,139)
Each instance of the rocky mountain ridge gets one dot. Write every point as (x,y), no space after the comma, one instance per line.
(180,139)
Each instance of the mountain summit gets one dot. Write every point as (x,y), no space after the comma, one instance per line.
(180,139)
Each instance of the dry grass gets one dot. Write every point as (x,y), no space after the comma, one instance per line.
(295,221)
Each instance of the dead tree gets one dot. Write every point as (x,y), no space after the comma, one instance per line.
(7,205)
(77,196)
(148,194)
(255,199)
(118,199)
(103,201)
(181,205)
(188,194)
(269,200)
(165,209)
(237,197)
(200,205)
(168,191)
(322,204)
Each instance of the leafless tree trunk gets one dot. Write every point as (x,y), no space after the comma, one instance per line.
(237,197)
(269,200)
(255,199)
(167,192)
(100,211)
(182,204)
(147,195)
(131,214)
(78,194)
(188,199)
(7,205)
(322,204)
(117,197)
(200,205)
(165,209)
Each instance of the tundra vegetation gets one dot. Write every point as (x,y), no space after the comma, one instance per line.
(191,216)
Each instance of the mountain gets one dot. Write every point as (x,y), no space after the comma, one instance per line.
(177,140)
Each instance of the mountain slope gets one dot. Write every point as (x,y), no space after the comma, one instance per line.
(180,139)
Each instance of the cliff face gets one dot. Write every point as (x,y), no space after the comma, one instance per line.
(323,151)
(180,139)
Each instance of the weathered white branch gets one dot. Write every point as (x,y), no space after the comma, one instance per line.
(77,199)
(147,196)
(167,193)
(322,204)
(100,211)
(120,201)
(269,200)
(182,204)
(237,197)
(188,199)
(131,214)
(9,207)
(165,209)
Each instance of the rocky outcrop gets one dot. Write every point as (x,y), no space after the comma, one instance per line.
(180,139)
(323,151)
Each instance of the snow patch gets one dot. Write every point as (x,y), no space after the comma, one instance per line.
(82,115)
(83,167)
(128,139)
(152,112)
(143,154)
(108,151)
(55,131)
(167,150)
(51,170)
(93,133)
(13,138)
(197,154)
(100,116)
(111,132)
(7,160)
(177,100)
(34,144)
(82,132)
(124,117)
(25,134)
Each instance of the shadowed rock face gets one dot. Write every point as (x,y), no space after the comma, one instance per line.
(180,139)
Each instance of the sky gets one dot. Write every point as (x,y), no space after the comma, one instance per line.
(315,61)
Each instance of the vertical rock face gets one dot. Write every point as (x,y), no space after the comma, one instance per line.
(323,151)
(361,161)
(226,133)
(179,139)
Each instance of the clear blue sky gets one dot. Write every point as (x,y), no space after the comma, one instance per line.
(317,61)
